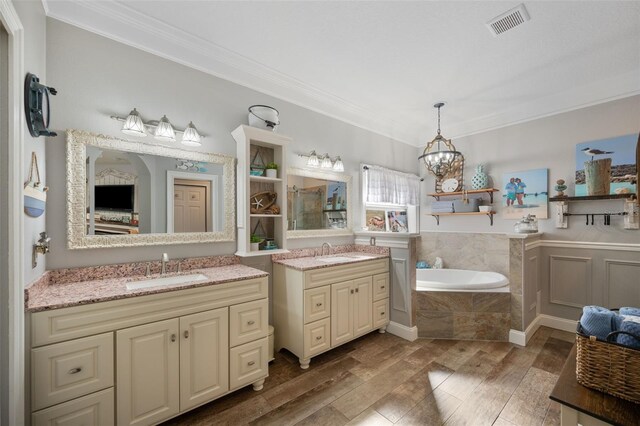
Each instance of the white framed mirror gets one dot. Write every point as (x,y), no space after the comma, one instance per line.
(319,203)
(123,193)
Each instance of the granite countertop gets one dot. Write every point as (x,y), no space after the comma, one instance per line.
(44,295)
(311,262)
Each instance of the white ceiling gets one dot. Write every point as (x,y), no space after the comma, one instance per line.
(382,65)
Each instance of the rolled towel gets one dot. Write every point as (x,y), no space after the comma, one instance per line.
(617,322)
(597,321)
(630,311)
(631,324)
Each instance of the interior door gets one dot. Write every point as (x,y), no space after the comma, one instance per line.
(341,312)
(204,357)
(190,208)
(147,382)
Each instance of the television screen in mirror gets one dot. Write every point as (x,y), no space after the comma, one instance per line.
(124,193)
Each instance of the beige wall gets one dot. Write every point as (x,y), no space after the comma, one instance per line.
(548,142)
(96,77)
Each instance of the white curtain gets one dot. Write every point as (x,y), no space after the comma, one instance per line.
(386,186)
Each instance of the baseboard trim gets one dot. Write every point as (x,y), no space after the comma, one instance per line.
(407,333)
(522,337)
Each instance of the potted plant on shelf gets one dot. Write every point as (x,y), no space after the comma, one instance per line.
(255,242)
(272,170)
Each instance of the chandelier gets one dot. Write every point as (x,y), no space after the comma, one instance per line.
(440,156)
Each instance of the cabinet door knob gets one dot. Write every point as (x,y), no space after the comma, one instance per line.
(357,290)
(173,337)
(382,287)
(319,338)
(381,314)
(251,362)
(318,304)
(251,322)
(75,370)
(186,334)
(351,291)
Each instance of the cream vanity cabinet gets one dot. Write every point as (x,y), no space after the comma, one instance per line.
(145,359)
(316,310)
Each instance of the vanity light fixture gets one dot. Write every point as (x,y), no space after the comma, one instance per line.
(191,136)
(162,130)
(324,161)
(313,160)
(133,125)
(440,156)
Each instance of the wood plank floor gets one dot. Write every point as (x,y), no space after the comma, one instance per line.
(381,379)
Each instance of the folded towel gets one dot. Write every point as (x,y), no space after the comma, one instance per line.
(631,324)
(597,321)
(630,311)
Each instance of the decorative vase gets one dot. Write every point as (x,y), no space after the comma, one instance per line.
(272,173)
(255,246)
(480,180)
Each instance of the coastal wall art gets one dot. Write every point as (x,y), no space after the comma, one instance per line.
(606,166)
(525,192)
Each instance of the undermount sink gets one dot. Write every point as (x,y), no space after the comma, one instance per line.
(166,281)
(336,259)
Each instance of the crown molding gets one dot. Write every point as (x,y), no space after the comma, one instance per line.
(121,23)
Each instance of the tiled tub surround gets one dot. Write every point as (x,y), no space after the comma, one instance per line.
(79,286)
(464,315)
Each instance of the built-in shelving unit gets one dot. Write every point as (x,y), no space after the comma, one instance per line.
(489,191)
(272,148)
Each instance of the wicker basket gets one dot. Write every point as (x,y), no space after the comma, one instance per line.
(608,367)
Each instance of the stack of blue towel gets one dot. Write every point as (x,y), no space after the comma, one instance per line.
(600,322)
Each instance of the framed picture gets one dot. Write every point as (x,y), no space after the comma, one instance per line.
(525,192)
(606,166)
(375,220)
(397,221)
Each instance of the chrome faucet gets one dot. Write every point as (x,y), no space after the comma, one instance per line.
(165,260)
(325,244)
(41,247)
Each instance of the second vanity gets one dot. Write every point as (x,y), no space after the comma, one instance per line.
(102,354)
(320,303)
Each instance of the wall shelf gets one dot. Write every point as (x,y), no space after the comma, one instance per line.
(489,191)
(263,179)
(593,197)
(490,214)
(265,215)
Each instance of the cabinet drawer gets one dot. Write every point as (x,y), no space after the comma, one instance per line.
(248,322)
(317,304)
(95,409)
(67,370)
(325,276)
(248,363)
(380,313)
(317,337)
(380,286)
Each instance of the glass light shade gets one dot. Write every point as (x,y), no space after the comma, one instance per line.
(338,166)
(164,132)
(133,125)
(313,160)
(326,162)
(191,137)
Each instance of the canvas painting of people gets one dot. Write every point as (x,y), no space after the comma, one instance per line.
(525,192)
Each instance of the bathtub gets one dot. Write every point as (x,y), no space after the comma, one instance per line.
(460,280)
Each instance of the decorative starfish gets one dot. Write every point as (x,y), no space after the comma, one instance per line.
(257,203)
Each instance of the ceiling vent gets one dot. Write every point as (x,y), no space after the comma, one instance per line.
(508,20)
